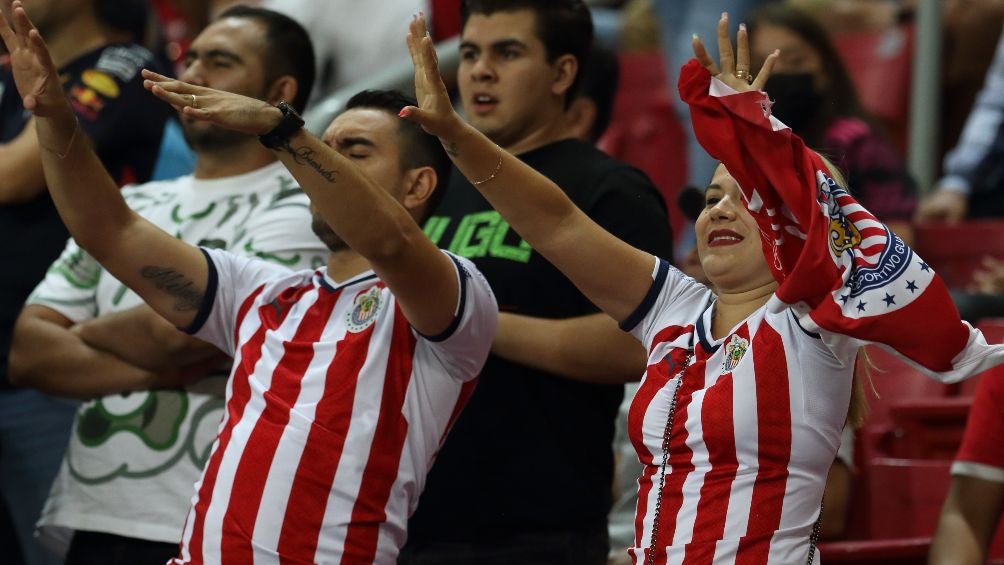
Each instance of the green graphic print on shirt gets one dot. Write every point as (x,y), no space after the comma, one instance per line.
(174,423)
(481,234)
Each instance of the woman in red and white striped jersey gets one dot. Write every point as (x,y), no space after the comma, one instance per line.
(740,411)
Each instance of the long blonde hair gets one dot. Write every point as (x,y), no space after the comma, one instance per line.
(857,410)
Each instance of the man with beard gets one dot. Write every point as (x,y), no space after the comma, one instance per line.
(95,47)
(127,476)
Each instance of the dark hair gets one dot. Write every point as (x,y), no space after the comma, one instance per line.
(840,99)
(565,27)
(600,74)
(132,16)
(288,50)
(418,148)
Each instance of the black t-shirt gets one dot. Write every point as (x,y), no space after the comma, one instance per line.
(126,126)
(531,452)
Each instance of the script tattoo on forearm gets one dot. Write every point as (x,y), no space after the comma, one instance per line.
(305,156)
(176,284)
(452,149)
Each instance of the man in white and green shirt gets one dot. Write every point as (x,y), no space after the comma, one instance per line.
(127,478)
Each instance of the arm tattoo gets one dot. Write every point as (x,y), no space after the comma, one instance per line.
(174,283)
(451,149)
(305,156)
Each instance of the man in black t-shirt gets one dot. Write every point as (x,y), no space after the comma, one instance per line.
(525,475)
(137,138)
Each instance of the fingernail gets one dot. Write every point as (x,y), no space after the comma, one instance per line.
(725,15)
(777,52)
(404,113)
(742,27)
(694,37)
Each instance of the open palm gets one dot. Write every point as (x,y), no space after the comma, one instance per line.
(34,73)
(435,111)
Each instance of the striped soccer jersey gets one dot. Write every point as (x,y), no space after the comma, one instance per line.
(757,422)
(335,409)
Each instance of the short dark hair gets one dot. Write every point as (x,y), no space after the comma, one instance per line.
(600,76)
(418,148)
(132,16)
(288,50)
(565,27)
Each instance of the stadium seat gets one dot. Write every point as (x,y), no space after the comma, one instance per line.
(644,130)
(879,64)
(939,245)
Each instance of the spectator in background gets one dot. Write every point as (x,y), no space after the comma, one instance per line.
(589,113)
(814,95)
(973,184)
(544,408)
(975,498)
(353,40)
(678,20)
(125,484)
(94,47)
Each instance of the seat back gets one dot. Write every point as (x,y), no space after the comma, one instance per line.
(955,251)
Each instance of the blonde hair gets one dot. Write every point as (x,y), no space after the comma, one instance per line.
(857,410)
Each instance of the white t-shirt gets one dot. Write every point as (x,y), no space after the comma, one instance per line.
(336,408)
(133,458)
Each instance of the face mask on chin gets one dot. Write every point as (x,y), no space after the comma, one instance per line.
(795,97)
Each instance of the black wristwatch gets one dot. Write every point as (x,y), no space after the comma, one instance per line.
(280,134)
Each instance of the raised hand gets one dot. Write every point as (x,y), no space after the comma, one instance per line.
(735,68)
(35,74)
(435,112)
(226,109)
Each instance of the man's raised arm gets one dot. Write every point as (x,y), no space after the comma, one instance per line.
(171,276)
(363,214)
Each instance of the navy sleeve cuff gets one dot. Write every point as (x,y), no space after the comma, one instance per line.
(646,304)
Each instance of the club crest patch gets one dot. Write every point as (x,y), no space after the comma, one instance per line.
(364,310)
(734,352)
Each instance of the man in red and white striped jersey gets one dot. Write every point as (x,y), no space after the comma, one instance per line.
(346,378)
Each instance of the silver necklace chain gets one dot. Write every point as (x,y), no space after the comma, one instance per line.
(650,558)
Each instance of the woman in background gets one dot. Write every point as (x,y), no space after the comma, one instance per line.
(814,96)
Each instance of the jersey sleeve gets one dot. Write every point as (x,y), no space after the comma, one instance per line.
(837,266)
(233,279)
(464,345)
(70,285)
(981,454)
(674,299)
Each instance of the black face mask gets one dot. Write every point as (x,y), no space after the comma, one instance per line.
(796,99)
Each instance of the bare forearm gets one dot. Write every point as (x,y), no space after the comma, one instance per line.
(86,196)
(143,338)
(589,348)
(955,544)
(52,359)
(364,215)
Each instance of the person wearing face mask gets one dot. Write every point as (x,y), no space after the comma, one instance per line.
(814,95)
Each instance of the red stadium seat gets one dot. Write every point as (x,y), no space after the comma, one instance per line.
(905,496)
(879,63)
(955,251)
(895,382)
(906,551)
(644,130)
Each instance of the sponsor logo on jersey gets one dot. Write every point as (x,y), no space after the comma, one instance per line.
(364,310)
(101,82)
(734,352)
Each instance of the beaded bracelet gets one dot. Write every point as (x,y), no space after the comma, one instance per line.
(498,167)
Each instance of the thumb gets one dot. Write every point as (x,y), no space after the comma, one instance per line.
(421,117)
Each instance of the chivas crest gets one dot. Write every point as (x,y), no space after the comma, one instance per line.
(364,310)
(734,352)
